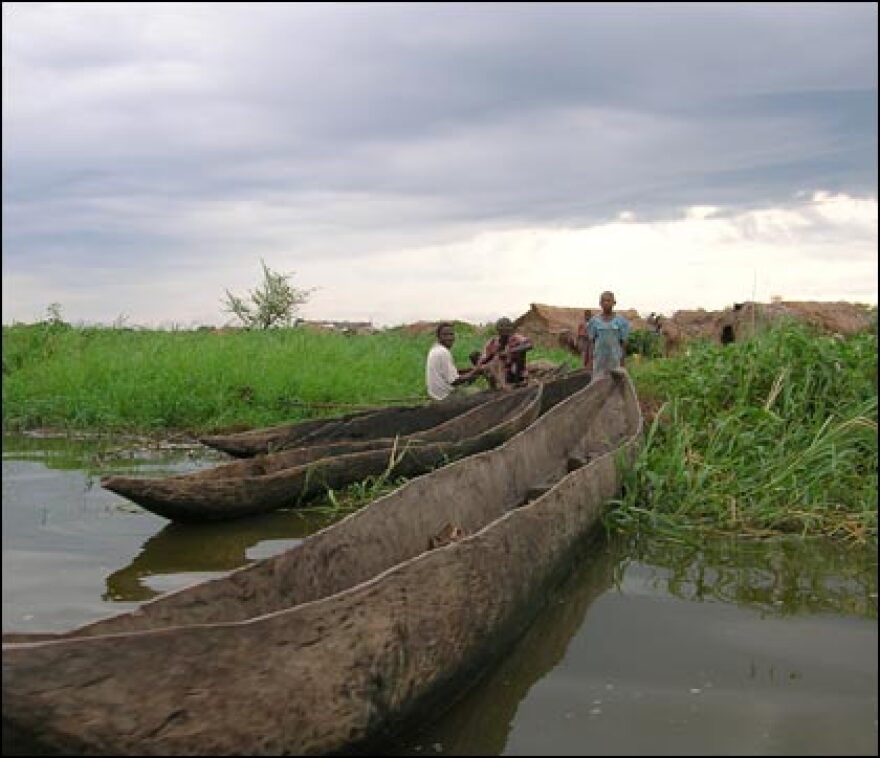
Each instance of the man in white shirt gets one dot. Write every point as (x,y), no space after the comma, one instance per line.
(441,375)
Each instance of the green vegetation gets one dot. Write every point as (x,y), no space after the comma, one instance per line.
(779,576)
(115,380)
(775,434)
(644,342)
(274,304)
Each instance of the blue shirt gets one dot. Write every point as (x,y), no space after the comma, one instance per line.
(608,339)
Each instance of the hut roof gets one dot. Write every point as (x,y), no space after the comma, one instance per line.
(840,317)
(554,318)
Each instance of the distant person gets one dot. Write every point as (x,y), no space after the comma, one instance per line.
(441,375)
(504,356)
(582,336)
(607,333)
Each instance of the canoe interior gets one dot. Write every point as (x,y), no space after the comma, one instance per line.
(290,479)
(469,423)
(375,424)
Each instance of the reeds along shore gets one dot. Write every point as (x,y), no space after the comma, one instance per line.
(777,434)
(774,434)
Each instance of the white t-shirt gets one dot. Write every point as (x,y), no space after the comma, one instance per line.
(440,371)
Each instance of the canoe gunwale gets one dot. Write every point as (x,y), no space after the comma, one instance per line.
(333,428)
(196,497)
(262,441)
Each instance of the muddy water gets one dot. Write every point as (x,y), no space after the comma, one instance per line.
(654,648)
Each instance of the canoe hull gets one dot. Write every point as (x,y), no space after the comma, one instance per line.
(351,662)
(224,493)
(364,425)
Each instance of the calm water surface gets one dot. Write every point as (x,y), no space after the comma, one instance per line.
(654,648)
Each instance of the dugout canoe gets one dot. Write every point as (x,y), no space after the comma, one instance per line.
(353,632)
(376,424)
(291,478)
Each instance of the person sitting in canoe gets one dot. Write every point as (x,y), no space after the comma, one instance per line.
(441,375)
(606,338)
(505,352)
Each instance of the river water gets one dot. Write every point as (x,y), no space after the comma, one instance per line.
(648,648)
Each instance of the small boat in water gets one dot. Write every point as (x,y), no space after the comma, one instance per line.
(358,629)
(362,426)
(291,477)
(377,424)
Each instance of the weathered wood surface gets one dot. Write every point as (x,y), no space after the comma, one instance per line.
(378,423)
(290,478)
(359,430)
(347,634)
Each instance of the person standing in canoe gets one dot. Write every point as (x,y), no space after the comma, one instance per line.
(508,350)
(441,375)
(607,333)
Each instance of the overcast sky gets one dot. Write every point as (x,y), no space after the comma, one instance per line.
(429,161)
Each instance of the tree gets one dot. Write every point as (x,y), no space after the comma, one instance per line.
(273,304)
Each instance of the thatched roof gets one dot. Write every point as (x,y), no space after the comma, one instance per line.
(743,318)
(555,326)
(839,317)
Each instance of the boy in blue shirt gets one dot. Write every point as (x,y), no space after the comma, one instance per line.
(606,338)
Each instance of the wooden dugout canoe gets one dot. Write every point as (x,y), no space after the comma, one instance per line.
(378,424)
(355,630)
(291,477)
(361,426)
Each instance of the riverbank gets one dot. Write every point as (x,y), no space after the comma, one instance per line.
(775,434)
(140,381)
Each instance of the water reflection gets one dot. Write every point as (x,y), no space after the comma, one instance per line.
(659,648)
(482,717)
(104,455)
(195,548)
(786,576)
(74,552)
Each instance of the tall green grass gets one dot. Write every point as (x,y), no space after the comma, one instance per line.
(108,379)
(776,434)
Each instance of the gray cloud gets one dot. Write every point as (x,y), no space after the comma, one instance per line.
(135,135)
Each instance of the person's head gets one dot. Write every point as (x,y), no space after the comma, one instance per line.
(445,334)
(504,327)
(588,314)
(607,301)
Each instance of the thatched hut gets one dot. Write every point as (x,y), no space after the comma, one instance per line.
(840,317)
(557,326)
(741,320)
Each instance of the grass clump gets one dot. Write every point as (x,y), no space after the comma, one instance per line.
(138,380)
(774,435)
